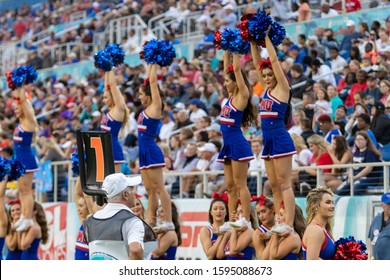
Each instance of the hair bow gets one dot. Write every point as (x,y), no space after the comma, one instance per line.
(265,64)
(223,196)
(259,199)
(146,82)
(282,204)
(230,68)
(13,201)
(138,195)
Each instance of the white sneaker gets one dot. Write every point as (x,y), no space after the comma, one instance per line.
(224,228)
(240,223)
(19,222)
(164,227)
(25,225)
(281,228)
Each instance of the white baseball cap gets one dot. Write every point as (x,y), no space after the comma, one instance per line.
(116,183)
(350,23)
(209,147)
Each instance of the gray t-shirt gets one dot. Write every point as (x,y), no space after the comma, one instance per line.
(380,238)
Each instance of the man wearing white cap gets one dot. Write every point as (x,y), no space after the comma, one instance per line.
(379,232)
(351,34)
(114,232)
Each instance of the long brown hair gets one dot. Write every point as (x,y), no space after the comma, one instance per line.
(41,219)
(250,113)
(148,92)
(176,222)
(370,145)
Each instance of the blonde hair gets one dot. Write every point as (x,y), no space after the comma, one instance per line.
(298,141)
(320,142)
(313,201)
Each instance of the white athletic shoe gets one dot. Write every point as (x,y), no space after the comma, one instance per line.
(282,229)
(25,225)
(240,223)
(164,227)
(224,228)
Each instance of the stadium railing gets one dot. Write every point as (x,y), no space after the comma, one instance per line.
(204,178)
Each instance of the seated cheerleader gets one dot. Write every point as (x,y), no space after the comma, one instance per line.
(237,243)
(30,239)
(266,215)
(11,239)
(288,247)
(210,236)
(168,241)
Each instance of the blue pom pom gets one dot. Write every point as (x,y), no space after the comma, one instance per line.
(19,76)
(75,164)
(31,74)
(17,170)
(4,168)
(277,33)
(232,41)
(167,53)
(117,54)
(103,61)
(158,52)
(258,25)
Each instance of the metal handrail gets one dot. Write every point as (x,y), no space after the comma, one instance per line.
(72,180)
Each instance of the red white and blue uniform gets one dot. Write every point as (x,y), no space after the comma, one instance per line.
(170,254)
(150,155)
(277,141)
(235,146)
(246,254)
(82,248)
(328,248)
(22,147)
(32,252)
(213,238)
(113,127)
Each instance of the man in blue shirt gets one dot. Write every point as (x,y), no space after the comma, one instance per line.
(379,232)
(328,128)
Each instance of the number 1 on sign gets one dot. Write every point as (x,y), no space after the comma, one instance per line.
(96,143)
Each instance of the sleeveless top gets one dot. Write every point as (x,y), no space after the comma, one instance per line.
(147,128)
(82,248)
(272,112)
(230,120)
(32,252)
(328,248)
(109,124)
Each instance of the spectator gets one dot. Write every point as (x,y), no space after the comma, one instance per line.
(346,43)
(302,158)
(297,116)
(380,123)
(253,78)
(280,10)
(335,101)
(308,102)
(133,234)
(340,119)
(352,5)
(195,106)
(230,19)
(363,124)
(372,88)
(379,241)
(304,11)
(363,176)
(132,43)
(214,132)
(167,126)
(360,85)
(297,78)
(384,87)
(327,126)
(321,71)
(306,129)
(256,164)
(336,60)
(327,11)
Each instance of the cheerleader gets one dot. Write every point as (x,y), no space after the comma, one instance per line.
(116,118)
(23,137)
(278,146)
(236,151)
(151,158)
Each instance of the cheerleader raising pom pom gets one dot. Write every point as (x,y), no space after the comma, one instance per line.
(258,25)
(277,33)
(20,76)
(158,52)
(232,41)
(350,249)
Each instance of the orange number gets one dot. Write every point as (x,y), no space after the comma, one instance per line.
(96,143)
